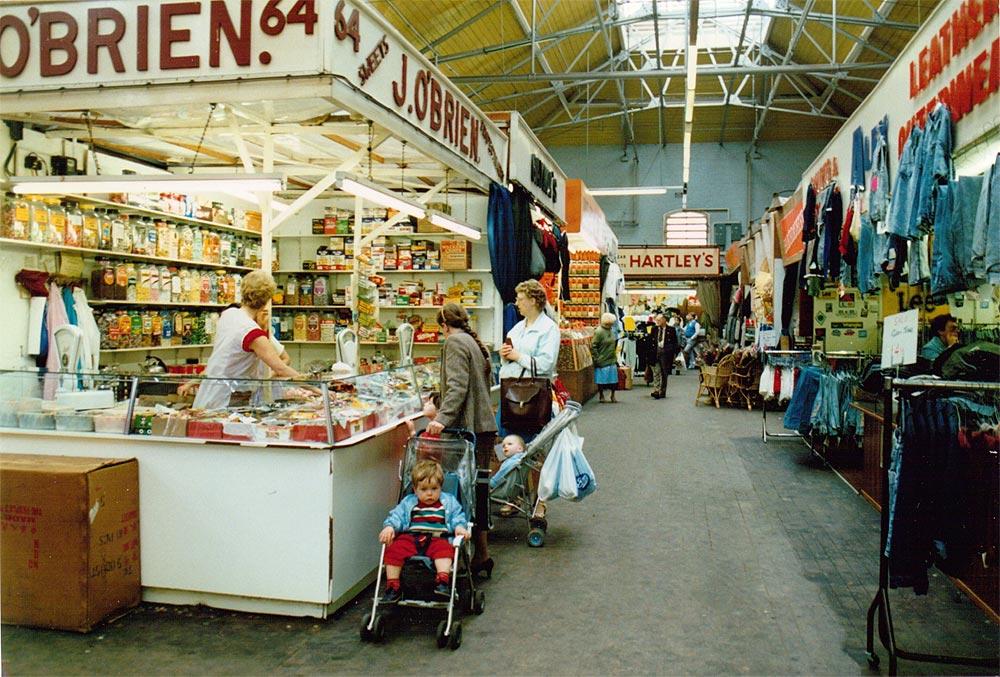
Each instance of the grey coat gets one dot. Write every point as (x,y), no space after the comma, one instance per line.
(465,386)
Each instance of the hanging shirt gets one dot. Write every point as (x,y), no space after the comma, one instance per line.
(232,358)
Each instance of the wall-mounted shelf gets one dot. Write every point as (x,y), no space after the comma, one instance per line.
(395,236)
(159,304)
(381,272)
(95,253)
(87,199)
(197,346)
(433,307)
(395,344)
(275,308)
(311,343)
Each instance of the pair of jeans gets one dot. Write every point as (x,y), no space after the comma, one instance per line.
(799,411)
(867,276)
(919,270)
(907,178)
(986,231)
(858,158)
(954,223)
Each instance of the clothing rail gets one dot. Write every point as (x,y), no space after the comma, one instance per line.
(880,603)
(837,355)
(763,407)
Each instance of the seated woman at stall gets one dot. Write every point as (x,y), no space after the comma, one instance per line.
(242,345)
(944,330)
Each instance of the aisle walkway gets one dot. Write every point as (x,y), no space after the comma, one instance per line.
(704,552)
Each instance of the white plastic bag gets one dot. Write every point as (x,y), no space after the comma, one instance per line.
(586,481)
(558,478)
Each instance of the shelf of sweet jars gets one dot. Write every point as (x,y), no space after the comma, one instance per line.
(101,253)
(145,211)
(97,303)
(197,346)
(277,307)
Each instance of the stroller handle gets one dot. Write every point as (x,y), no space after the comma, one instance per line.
(462,433)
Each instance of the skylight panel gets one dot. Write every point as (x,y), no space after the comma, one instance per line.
(719,23)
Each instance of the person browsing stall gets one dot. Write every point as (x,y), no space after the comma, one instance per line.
(465,403)
(535,337)
(242,345)
(602,349)
(945,334)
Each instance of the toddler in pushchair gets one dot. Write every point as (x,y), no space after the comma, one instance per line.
(513,487)
(423,568)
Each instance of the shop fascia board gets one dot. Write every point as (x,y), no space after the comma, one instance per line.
(302,72)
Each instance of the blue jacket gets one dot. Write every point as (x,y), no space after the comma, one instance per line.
(936,162)
(399,517)
(904,195)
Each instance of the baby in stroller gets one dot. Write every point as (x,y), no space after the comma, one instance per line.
(420,524)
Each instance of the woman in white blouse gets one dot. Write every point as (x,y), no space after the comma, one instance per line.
(535,337)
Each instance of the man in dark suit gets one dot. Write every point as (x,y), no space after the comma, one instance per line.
(666,349)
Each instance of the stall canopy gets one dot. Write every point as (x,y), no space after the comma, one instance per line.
(238,86)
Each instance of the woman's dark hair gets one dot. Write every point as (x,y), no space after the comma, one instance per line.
(456,317)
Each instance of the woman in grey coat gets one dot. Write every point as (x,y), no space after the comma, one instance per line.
(465,403)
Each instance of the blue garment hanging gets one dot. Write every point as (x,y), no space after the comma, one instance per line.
(500,235)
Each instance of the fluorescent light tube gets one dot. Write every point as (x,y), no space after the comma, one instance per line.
(454,225)
(625,190)
(379,195)
(155,183)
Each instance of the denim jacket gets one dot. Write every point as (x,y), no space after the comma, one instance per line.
(936,165)
(399,517)
(986,232)
(878,194)
(901,206)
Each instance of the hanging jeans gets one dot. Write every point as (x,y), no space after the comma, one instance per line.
(867,278)
(800,407)
(903,197)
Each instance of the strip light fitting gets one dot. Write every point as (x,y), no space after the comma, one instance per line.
(379,195)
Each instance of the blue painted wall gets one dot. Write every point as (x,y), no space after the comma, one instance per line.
(718,180)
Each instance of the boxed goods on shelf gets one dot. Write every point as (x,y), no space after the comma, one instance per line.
(70,552)
(456,255)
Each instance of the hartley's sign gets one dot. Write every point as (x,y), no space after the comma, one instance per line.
(669,262)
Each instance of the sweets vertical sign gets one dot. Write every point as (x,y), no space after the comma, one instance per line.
(368,53)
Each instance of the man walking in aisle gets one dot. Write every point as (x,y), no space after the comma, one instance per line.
(693,336)
(666,350)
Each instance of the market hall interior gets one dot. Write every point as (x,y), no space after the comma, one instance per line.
(704,551)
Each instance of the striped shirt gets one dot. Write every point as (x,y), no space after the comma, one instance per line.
(429,519)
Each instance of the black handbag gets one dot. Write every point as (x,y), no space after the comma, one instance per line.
(525,402)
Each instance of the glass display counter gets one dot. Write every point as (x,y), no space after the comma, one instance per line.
(269,504)
(263,412)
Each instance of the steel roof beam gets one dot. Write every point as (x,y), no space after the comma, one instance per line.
(736,58)
(805,69)
(796,34)
(627,125)
(829,18)
(429,47)
(542,60)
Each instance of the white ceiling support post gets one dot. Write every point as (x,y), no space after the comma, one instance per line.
(264,199)
(327,181)
(398,217)
(241,146)
(691,62)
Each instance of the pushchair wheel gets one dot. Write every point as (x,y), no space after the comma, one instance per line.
(366,633)
(536,537)
(478,602)
(377,631)
(455,639)
(442,639)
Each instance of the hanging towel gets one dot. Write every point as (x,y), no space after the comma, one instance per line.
(56,314)
(36,324)
(91,349)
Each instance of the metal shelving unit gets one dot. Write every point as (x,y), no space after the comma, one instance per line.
(132,209)
(95,253)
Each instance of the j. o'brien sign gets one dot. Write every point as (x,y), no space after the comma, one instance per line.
(669,262)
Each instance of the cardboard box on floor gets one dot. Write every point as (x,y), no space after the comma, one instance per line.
(69,539)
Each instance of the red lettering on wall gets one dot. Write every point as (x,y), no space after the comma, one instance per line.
(23,45)
(49,43)
(220,22)
(142,39)
(435,104)
(980,77)
(170,35)
(96,39)
(995,66)
(449,114)
(419,94)
(474,140)
(464,131)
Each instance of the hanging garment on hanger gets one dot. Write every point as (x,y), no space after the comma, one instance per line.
(986,231)
(91,349)
(55,314)
(937,168)
(901,206)
(500,236)
(787,384)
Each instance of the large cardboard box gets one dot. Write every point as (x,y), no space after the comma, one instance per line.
(456,255)
(69,539)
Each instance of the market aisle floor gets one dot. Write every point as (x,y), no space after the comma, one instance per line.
(704,552)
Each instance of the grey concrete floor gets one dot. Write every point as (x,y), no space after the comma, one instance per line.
(704,551)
